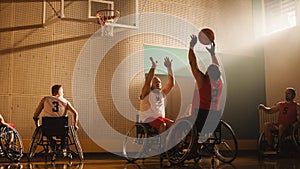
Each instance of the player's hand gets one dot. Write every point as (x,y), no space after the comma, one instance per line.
(154,62)
(212,48)
(168,62)
(76,127)
(193,41)
(261,107)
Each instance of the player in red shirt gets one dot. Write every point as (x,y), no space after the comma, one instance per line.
(3,123)
(288,111)
(209,86)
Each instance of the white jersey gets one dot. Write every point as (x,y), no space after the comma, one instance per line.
(55,106)
(153,105)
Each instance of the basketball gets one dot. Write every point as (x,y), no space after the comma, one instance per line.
(206,36)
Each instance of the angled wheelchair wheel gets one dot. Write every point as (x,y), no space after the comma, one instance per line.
(226,147)
(36,138)
(296,136)
(11,143)
(77,143)
(180,141)
(135,142)
(262,144)
(263,147)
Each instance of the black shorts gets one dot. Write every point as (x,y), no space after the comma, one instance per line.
(202,117)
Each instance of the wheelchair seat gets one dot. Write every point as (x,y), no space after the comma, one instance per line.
(55,133)
(141,141)
(150,130)
(55,126)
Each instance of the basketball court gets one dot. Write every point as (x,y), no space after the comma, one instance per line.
(99,51)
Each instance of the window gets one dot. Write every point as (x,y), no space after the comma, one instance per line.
(279,15)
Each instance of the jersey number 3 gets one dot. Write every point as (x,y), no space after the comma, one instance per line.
(55,106)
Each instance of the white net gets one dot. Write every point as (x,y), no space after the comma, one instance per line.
(107,19)
(107,30)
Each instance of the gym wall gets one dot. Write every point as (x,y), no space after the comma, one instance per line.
(33,57)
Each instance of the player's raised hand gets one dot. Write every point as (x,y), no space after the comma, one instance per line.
(154,62)
(193,41)
(212,48)
(168,62)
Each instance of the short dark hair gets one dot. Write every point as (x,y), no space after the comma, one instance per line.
(55,89)
(292,90)
(214,71)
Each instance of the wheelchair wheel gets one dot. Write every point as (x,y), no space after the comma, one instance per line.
(135,142)
(226,146)
(77,143)
(36,138)
(296,136)
(11,143)
(185,134)
(263,144)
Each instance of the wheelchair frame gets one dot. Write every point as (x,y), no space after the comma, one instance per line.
(291,134)
(142,140)
(222,143)
(55,127)
(12,148)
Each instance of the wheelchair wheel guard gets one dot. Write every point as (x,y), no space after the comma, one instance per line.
(181,139)
(11,144)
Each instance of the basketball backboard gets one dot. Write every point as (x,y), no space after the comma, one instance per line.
(85,11)
(128,8)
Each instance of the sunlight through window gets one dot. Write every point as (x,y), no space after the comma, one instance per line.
(279,15)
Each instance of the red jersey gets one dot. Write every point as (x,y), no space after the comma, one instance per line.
(9,125)
(287,113)
(208,96)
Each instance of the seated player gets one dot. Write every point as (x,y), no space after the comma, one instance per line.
(288,110)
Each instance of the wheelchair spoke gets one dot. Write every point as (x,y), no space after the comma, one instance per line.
(226,149)
(36,138)
(77,143)
(296,136)
(55,138)
(180,140)
(135,143)
(11,144)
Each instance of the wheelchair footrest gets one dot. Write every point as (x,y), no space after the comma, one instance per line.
(271,152)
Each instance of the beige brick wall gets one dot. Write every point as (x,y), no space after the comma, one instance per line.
(34,57)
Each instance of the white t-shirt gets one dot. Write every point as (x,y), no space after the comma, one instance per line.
(153,105)
(55,106)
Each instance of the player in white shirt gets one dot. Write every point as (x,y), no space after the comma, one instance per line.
(56,106)
(153,98)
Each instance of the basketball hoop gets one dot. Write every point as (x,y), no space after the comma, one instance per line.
(106,18)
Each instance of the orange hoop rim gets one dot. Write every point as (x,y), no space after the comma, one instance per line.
(106,15)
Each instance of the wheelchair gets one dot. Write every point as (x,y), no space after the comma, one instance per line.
(11,145)
(291,136)
(55,133)
(222,143)
(142,140)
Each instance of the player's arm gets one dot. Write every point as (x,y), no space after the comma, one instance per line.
(212,53)
(38,112)
(74,115)
(269,110)
(2,121)
(199,76)
(171,80)
(147,86)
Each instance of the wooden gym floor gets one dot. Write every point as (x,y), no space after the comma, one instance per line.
(244,160)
